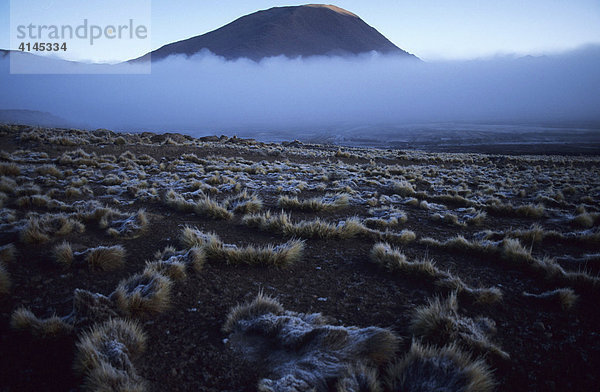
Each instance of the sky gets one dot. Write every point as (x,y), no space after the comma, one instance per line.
(476,69)
(431,29)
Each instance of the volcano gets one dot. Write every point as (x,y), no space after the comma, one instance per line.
(299,31)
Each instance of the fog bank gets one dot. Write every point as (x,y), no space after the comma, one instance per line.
(206,94)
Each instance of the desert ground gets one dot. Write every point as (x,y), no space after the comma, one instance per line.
(163,262)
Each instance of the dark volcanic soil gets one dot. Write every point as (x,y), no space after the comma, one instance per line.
(550,349)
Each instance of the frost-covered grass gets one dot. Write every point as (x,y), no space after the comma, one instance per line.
(312,209)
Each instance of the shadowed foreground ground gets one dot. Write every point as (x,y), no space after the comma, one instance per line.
(528,224)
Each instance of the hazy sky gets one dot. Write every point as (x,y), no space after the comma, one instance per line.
(431,29)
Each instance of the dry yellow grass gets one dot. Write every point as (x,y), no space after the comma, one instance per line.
(210,208)
(439,323)
(261,304)
(143,295)
(174,270)
(215,250)
(429,368)
(43,229)
(9,169)
(326,203)
(23,319)
(564,298)
(8,185)
(359,377)
(105,258)
(63,254)
(129,228)
(317,228)
(395,261)
(49,170)
(243,203)
(104,355)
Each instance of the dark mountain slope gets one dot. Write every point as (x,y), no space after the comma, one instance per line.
(309,30)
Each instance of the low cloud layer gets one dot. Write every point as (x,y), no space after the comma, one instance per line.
(206,94)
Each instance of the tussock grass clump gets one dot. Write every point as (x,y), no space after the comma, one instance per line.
(282,224)
(43,229)
(424,205)
(104,354)
(90,308)
(478,219)
(359,378)
(537,233)
(178,202)
(533,211)
(512,252)
(174,270)
(586,220)
(28,190)
(63,254)
(102,258)
(485,295)
(382,222)
(78,158)
(23,319)
(448,218)
(402,188)
(9,169)
(215,250)
(112,179)
(210,208)
(455,200)
(49,170)
(173,263)
(278,256)
(243,203)
(105,258)
(439,323)
(303,349)
(342,154)
(40,201)
(120,141)
(385,217)
(565,298)
(395,261)
(143,294)
(203,207)
(128,228)
(97,213)
(262,304)
(192,237)
(403,237)
(8,185)
(326,203)
(428,368)
(72,192)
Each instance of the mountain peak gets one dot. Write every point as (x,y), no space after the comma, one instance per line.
(333,8)
(294,31)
